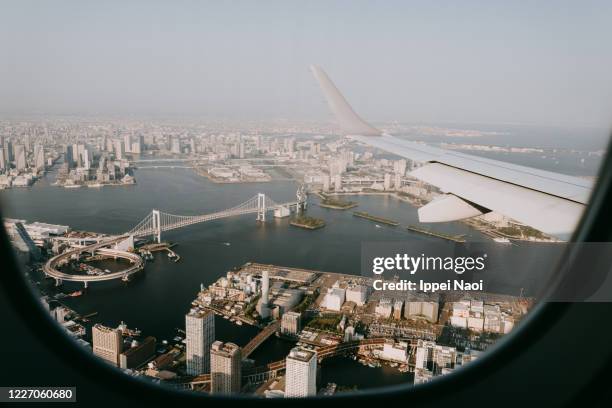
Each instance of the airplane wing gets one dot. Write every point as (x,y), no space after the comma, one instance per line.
(550,202)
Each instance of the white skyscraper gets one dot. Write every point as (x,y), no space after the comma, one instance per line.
(301,373)
(265,286)
(262,306)
(127,143)
(119,149)
(2,161)
(225,368)
(107,343)
(200,334)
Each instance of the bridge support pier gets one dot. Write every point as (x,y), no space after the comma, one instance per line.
(261,207)
(85,284)
(156,225)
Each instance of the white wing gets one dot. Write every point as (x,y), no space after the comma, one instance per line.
(547,201)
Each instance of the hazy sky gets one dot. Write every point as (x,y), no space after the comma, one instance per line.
(485,61)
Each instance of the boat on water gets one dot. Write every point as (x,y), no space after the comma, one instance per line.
(76,293)
(239,322)
(502,240)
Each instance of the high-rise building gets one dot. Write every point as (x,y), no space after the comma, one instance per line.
(127,142)
(8,151)
(200,334)
(424,352)
(119,149)
(176,145)
(39,157)
(20,157)
(225,368)
(398,307)
(68,156)
(138,353)
(107,343)
(262,306)
(290,323)
(301,373)
(387,181)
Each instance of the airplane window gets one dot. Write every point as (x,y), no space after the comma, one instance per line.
(290,200)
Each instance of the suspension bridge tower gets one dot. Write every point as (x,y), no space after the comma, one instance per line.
(157,225)
(261,207)
(302,199)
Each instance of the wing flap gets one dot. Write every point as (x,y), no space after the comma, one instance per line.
(549,214)
(448,208)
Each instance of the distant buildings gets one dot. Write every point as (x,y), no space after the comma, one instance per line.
(225,368)
(200,334)
(107,343)
(301,373)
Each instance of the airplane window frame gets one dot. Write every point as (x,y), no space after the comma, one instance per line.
(595,226)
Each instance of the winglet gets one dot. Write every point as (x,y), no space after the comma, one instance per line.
(350,122)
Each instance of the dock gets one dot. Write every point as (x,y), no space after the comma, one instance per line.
(370,217)
(454,238)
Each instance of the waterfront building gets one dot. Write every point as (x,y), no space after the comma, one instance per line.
(387,181)
(200,334)
(357,294)
(395,352)
(290,323)
(443,357)
(107,343)
(301,373)
(422,375)
(25,248)
(225,368)
(138,353)
(335,299)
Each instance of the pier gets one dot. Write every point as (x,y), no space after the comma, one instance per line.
(454,238)
(370,217)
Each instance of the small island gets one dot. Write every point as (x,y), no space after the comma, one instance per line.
(304,221)
(336,204)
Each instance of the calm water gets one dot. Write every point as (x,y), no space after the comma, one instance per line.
(157,301)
